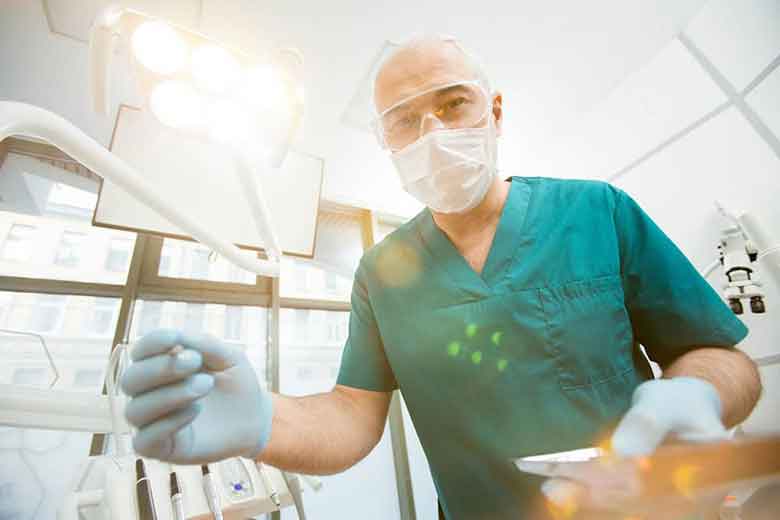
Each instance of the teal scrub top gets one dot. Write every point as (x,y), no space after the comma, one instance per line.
(539,353)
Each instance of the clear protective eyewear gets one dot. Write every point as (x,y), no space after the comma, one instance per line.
(460,104)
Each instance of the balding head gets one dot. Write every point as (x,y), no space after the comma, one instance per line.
(420,64)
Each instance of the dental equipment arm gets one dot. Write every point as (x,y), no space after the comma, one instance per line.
(27,120)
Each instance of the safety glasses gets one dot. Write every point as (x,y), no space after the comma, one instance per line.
(460,104)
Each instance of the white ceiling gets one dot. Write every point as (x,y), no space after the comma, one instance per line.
(551,60)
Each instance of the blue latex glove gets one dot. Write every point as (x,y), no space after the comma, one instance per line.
(686,407)
(201,405)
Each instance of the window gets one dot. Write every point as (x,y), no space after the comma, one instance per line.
(46,316)
(383,229)
(103,319)
(88,378)
(30,376)
(194,261)
(200,264)
(339,246)
(309,363)
(165,263)
(69,249)
(147,317)
(118,258)
(54,238)
(233,316)
(30,454)
(210,318)
(18,243)
(194,316)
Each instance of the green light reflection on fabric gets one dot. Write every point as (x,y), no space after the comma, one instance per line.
(471,330)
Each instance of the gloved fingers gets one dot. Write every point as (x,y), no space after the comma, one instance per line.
(567,496)
(157,439)
(564,497)
(150,406)
(640,432)
(217,356)
(152,372)
(157,342)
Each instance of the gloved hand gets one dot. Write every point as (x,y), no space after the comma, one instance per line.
(686,407)
(201,405)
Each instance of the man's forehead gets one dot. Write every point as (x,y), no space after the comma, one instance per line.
(419,66)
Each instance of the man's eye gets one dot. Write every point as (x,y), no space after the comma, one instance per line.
(404,123)
(455,103)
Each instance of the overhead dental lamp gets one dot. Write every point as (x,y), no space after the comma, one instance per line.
(194,84)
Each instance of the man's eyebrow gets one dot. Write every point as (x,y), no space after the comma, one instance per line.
(451,89)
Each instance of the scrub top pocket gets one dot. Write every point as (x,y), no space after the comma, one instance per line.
(588,330)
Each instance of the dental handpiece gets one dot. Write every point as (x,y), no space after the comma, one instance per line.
(177,504)
(269,487)
(212,496)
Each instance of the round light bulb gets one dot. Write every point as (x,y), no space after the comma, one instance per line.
(159,47)
(214,68)
(176,104)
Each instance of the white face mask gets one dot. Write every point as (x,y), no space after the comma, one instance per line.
(449,171)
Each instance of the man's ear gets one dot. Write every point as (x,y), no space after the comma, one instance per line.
(498,112)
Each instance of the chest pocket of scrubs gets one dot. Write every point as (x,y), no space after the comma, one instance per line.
(588,330)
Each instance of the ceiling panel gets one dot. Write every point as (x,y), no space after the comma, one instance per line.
(739,38)
(765,100)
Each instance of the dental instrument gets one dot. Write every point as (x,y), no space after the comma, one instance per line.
(143,490)
(177,505)
(210,489)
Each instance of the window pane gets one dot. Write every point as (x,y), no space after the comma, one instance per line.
(194,261)
(337,251)
(220,321)
(119,253)
(69,249)
(46,229)
(18,243)
(383,229)
(310,354)
(28,486)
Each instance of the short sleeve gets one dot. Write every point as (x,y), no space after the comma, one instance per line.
(364,363)
(672,307)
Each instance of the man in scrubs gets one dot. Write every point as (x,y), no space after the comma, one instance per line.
(509,312)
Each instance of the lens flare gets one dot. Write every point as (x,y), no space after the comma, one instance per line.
(471,330)
(398,265)
(228,122)
(476,357)
(684,479)
(501,365)
(496,338)
(176,104)
(214,68)
(453,349)
(159,48)
(263,88)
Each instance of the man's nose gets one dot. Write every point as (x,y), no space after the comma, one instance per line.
(429,123)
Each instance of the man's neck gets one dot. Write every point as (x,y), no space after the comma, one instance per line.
(464,226)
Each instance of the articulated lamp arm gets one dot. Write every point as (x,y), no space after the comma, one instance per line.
(27,120)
